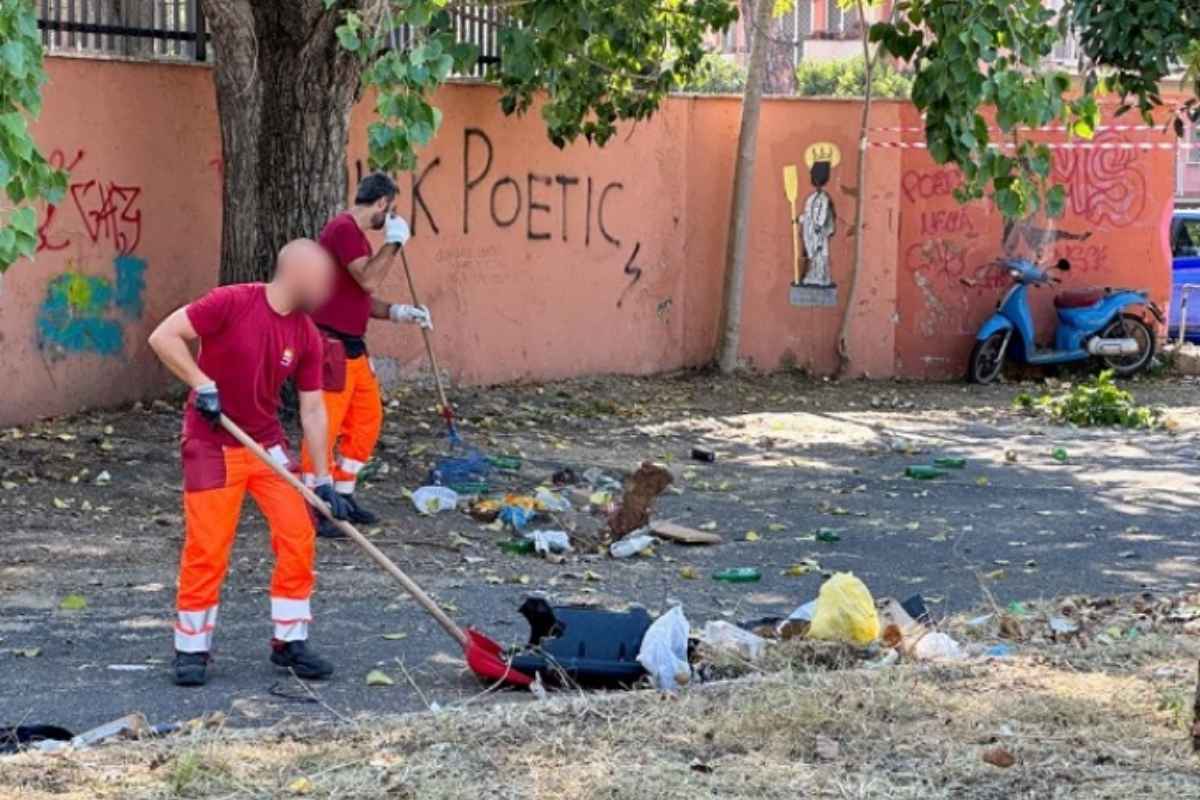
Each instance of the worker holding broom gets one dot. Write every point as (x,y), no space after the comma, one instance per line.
(351,392)
(253,337)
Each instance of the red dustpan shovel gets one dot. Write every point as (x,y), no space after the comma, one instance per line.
(484,656)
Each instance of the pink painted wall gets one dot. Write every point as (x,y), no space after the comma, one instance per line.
(1113,233)
(139,139)
(537,262)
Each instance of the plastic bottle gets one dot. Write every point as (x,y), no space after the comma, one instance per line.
(950,462)
(828,536)
(923,472)
(738,575)
(518,547)
(630,546)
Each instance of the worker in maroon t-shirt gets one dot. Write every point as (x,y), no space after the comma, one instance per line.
(352,402)
(253,337)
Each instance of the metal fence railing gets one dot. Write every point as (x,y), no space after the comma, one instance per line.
(175,29)
(168,29)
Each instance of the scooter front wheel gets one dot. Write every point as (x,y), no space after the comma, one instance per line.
(987,359)
(1130,326)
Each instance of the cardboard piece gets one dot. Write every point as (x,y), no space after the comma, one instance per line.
(665,529)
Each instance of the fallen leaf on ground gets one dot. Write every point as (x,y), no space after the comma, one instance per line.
(73,602)
(300,786)
(378,677)
(752,536)
(999,757)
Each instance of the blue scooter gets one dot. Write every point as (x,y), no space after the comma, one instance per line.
(1091,323)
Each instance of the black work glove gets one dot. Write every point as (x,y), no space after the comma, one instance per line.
(208,403)
(337,504)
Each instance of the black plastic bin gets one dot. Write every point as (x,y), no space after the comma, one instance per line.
(590,646)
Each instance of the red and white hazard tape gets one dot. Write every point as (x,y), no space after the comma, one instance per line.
(1061,145)
(1046,129)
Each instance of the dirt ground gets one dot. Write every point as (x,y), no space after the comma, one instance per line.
(90,508)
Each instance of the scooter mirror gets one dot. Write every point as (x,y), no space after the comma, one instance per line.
(1063,265)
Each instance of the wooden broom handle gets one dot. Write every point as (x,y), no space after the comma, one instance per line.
(374,552)
(437,373)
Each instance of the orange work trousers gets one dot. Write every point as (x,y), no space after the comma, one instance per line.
(216,480)
(355,414)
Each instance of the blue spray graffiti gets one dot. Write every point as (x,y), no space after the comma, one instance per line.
(76,316)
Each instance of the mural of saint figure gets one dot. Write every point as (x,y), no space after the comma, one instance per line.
(818,223)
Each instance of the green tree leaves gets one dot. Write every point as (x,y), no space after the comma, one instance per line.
(25,175)
(599,62)
(990,53)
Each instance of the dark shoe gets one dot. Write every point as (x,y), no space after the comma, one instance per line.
(191,669)
(359,515)
(327,530)
(296,656)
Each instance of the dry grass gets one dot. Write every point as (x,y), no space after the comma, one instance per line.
(1083,719)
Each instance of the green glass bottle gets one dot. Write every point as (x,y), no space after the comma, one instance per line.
(738,575)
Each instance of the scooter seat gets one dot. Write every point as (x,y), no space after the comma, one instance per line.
(1078,298)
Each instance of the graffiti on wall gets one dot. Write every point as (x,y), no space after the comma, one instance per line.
(88,313)
(81,312)
(952,252)
(538,207)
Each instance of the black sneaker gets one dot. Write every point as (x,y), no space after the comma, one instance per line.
(327,530)
(191,669)
(358,514)
(296,656)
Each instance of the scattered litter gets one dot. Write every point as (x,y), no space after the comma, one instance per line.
(738,575)
(104,478)
(804,612)
(1060,455)
(394,637)
(642,488)
(950,462)
(802,568)
(129,667)
(663,651)
(998,651)
(937,646)
(666,529)
(703,454)
(552,501)
(430,500)
(1011,456)
(923,472)
(518,547)
(845,611)
(719,635)
(916,608)
(517,517)
(828,536)
(631,545)
(504,463)
(545,542)
(590,646)
(827,749)
(1061,626)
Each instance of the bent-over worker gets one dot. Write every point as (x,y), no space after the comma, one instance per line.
(253,337)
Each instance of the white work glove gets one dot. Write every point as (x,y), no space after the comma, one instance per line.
(396,231)
(415,314)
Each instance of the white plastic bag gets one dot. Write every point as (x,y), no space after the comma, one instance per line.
(721,635)
(937,647)
(631,545)
(664,651)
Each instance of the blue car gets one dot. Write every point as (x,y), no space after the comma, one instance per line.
(1185,270)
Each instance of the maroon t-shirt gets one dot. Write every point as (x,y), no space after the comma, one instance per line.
(349,307)
(249,350)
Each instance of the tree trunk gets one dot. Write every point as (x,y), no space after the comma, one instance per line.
(870,59)
(743,186)
(285,88)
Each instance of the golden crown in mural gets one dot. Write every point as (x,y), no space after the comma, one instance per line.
(822,151)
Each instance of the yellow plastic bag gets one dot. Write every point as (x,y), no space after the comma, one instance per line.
(845,612)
